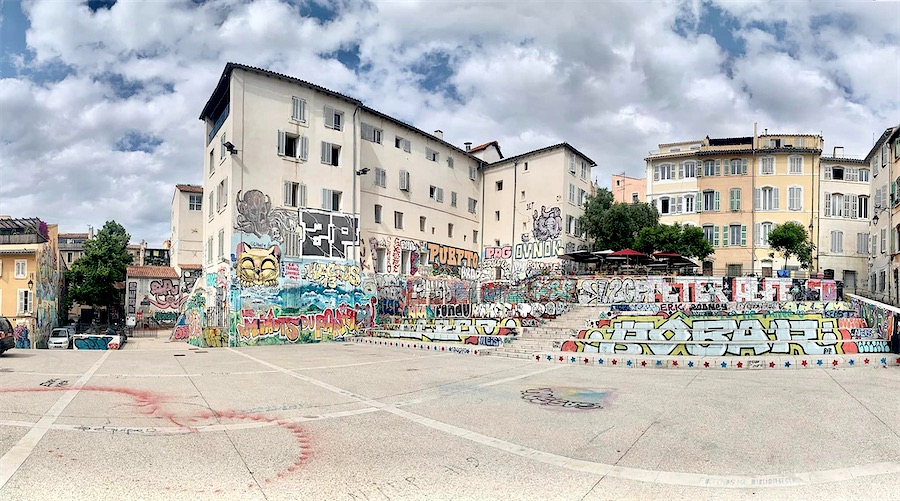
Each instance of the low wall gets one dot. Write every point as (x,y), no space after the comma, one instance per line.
(97,341)
(444,337)
(746,334)
(884,319)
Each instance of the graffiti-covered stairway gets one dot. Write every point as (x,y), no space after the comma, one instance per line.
(549,336)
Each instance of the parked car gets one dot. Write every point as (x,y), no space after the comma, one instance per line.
(60,338)
(7,339)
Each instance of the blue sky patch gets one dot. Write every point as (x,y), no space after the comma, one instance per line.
(138,141)
(435,75)
(96,5)
(718,24)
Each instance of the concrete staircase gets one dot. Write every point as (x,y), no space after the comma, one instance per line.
(549,336)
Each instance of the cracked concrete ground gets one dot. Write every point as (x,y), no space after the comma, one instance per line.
(159,420)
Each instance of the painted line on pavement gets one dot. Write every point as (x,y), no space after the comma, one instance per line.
(601,469)
(521,376)
(14,457)
(360,363)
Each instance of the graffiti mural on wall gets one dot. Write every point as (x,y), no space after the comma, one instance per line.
(539,250)
(680,334)
(444,255)
(258,266)
(410,296)
(703,289)
(20,334)
(304,233)
(467,326)
(549,309)
(275,327)
(191,321)
(546,224)
(165,294)
(883,321)
(132,298)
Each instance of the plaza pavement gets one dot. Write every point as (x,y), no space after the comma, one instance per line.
(161,420)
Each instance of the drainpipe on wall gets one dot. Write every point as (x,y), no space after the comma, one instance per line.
(753,201)
(356,242)
(814,221)
(512,242)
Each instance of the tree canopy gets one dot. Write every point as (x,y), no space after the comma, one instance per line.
(615,225)
(689,241)
(92,277)
(791,239)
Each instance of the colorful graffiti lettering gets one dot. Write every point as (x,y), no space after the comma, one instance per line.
(92,342)
(551,289)
(213,337)
(451,256)
(271,328)
(502,252)
(703,290)
(332,274)
(679,334)
(550,309)
(539,250)
(468,326)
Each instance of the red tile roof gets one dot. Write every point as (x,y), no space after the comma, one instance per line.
(485,145)
(191,266)
(189,188)
(151,272)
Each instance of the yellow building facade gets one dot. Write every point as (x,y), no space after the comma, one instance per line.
(737,190)
(30,278)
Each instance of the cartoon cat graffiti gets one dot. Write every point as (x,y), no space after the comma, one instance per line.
(258,266)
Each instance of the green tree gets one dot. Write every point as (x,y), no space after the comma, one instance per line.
(93,277)
(594,207)
(791,239)
(617,227)
(688,241)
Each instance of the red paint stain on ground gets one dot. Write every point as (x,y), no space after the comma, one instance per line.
(151,403)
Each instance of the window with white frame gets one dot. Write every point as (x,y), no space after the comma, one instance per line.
(883,240)
(334,119)
(851,174)
(762,233)
(453,199)
(298,109)
(293,145)
(583,170)
(709,201)
(378,211)
(472,205)
(862,243)
(665,205)
(863,175)
(767,166)
(795,165)
(572,164)
(837,173)
(436,194)
(582,195)
(709,231)
(21,268)
(795,198)
(431,155)
(709,168)
(294,194)
(222,148)
(862,207)
(331,199)
(768,198)
(570,225)
(370,133)
(571,193)
(221,244)
(212,163)
(837,241)
(24,303)
(689,203)
(834,205)
(195,202)
(473,172)
(398,220)
(690,169)
(665,172)
(331,154)
(402,143)
(404,180)
(380,177)
(737,235)
(736,166)
(209,250)
(222,194)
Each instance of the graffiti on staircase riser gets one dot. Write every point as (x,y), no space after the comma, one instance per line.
(704,290)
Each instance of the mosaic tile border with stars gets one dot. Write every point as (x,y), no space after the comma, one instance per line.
(452,348)
(720,363)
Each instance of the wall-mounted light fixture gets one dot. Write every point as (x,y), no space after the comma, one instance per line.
(230,148)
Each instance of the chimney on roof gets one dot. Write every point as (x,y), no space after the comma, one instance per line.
(468,145)
(439,134)
(838,151)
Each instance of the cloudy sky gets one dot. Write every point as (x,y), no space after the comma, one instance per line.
(99,100)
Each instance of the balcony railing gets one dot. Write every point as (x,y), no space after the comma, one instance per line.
(30,238)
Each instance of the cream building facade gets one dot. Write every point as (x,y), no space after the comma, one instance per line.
(186,234)
(883,283)
(845,210)
(737,190)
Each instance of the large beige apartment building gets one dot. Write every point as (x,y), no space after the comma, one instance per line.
(627,190)
(737,190)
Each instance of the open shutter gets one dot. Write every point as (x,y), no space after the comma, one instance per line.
(698,171)
(680,170)
(678,205)
(725,236)
(656,173)
(302,195)
(224,196)
(744,166)
(281,141)
(757,233)
(847,205)
(717,201)
(727,168)
(329,117)
(854,206)
(775,198)
(698,202)
(20,307)
(744,235)
(326,153)
(827,204)
(718,167)
(326,198)
(287,193)
(827,172)
(756,197)
(304,148)
(715,236)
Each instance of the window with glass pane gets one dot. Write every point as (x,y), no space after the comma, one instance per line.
(734,234)
(709,168)
(768,166)
(709,201)
(795,165)
(690,169)
(837,204)
(710,233)
(764,229)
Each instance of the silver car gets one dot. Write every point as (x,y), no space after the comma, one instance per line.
(60,339)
